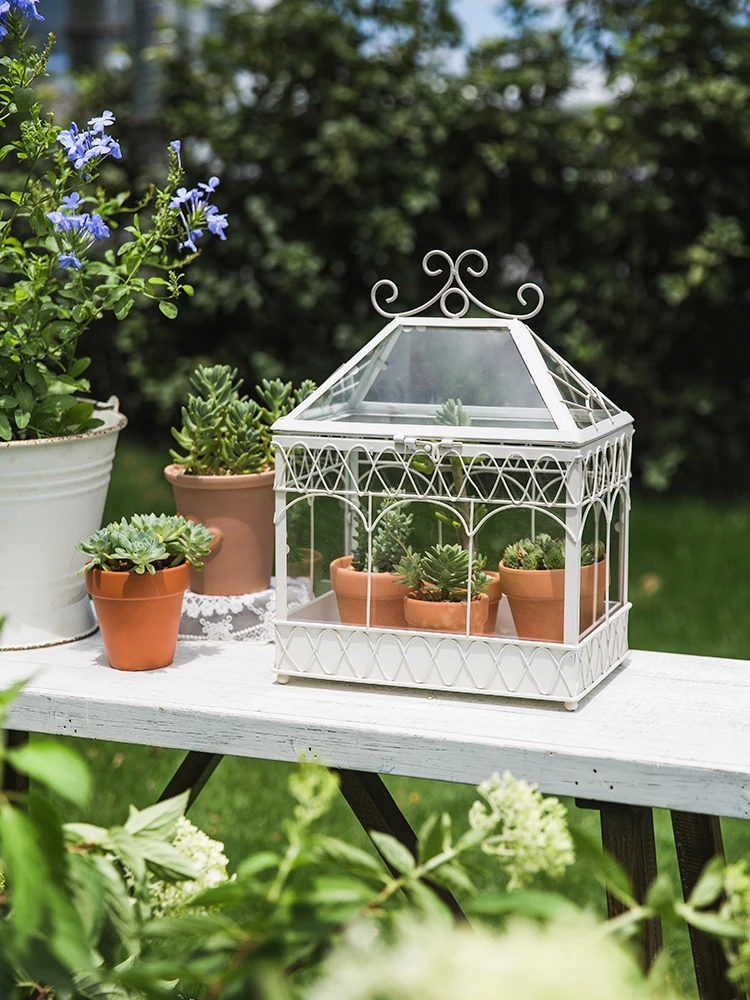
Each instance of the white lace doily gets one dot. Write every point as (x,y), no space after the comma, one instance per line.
(243,618)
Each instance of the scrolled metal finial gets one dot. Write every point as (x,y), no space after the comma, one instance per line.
(454,285)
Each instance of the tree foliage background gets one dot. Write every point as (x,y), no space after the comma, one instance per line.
(348,144)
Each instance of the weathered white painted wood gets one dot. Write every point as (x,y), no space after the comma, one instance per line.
(663,730)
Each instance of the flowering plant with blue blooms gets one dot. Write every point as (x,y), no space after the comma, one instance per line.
(69,253)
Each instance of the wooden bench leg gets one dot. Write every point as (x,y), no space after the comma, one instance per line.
(14,782)
(628,835)
(698,839)
(375,808)
(192,775)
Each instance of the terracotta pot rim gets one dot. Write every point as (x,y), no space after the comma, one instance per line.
(479,598)
(359,572)
(103,584)
(539,572)
(176,475)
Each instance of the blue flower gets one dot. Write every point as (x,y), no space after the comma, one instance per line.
(70,201)
(26,8)
(61,221)
(69,259)
(217,224)
(97,227)
(175,145)
(197,213)
(103,121)
(94,144)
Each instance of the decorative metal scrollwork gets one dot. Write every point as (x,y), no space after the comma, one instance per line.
(454,285)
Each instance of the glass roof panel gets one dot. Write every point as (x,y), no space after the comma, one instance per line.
(410,375)
(585,403)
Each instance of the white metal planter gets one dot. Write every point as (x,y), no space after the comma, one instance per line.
(52,494)
(541,450)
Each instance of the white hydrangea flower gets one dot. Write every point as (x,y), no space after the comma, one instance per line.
(564,961)
(170,899)
(532,834)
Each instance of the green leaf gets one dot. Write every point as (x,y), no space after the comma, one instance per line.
(5,432)
(188,925)
(67,938)
(158,820)
(604,867)
(55,765)
(709,886)
(122,308)
(129,850)
(227,894)
(25,867)
(347,855)
(661,897)
(430,838)
(531,903)
(339,889)
(6,149)
(454,877)
(394,852)
(22,419)
(24,98)
(168,308)
(9,695)
(426,900)
(256,864)
(711,923)
(165,861)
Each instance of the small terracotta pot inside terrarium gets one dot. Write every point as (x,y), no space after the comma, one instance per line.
(242,508)
(494,592)
(537,599)
(350,587)
(139,615)
(447,616)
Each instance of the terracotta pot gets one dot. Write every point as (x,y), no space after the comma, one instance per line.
(447,616)
(494,592)
(537,599)
(242,508)
(350,587)
(301,566)
(139,615)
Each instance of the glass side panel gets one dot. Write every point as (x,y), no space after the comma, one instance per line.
(586,404)
(410,376)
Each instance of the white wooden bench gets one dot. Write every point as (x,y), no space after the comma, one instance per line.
(665,730)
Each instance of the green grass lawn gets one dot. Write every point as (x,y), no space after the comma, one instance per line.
(689,587)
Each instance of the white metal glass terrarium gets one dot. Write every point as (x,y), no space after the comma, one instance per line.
(469,446)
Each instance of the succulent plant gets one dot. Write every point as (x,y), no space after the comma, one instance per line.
(146,543)
(442,573)
(389,541)
(225,433)
(545,552)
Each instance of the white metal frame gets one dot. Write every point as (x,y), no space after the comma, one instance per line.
(571,473)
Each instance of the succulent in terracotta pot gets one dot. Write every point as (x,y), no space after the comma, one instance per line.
(532,575)
(223,477)
(438,584)
(137,572)
(350,574)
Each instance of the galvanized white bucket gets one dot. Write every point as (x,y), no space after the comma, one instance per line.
(52,494)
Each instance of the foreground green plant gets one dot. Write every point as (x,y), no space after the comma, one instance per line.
(442,574)
(224,433)
(146,543)
(58,284)
(545,552)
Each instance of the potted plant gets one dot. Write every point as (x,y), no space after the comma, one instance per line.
(452,414)
(350,574)
(532,573)
(56,444)
(137,573)
(438,590)
(224,479)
